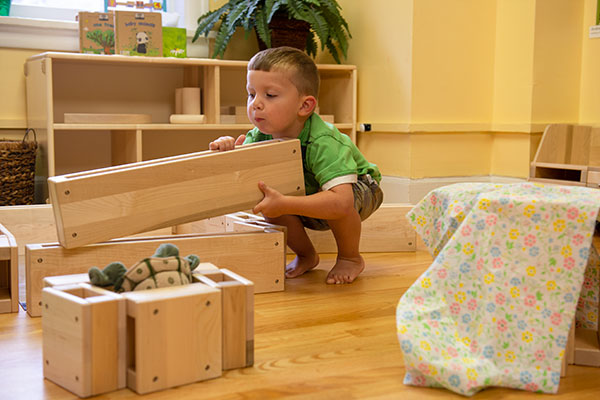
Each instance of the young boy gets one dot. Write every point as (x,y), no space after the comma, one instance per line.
(341,185)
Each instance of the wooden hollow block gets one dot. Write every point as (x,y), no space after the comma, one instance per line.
(593,177)
(237,295)
(241,115)
(386,230)
(60,280)
(83,331)
(587,347)
(594,159)
(9,272)
(566,173)
(187,100)
(259,256)
(227,119)
(187,119)
(328,118)
(569,356)
(227,110)
(174,336)
(97,118)
(241,119)
(97,205)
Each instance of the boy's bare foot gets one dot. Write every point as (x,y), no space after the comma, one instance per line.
(345,270)
(301,265)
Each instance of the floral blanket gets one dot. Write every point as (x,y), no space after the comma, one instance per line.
(495,306)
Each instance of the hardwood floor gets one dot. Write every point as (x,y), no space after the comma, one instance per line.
(313,341)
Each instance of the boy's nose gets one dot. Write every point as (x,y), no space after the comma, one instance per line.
(257,104)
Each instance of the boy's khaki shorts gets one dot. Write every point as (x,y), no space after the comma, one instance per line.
(368,196)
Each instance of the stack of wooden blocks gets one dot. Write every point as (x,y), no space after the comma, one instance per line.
(133,345)
(96,341)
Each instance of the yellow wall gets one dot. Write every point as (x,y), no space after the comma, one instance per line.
(589,110)
(455,154)
(431,68)
(453,61)
(397,155)
(13,112)
(513,62)
(381,45)
(557,61)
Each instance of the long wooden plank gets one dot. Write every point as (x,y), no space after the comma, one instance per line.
(35,224)
(113,202)
(257,256)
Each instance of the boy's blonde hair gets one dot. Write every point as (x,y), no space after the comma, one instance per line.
(304,71)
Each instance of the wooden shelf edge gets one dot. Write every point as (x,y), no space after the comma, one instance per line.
(167,126)
(117,58)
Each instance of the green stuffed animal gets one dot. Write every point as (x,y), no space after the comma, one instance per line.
(163,269)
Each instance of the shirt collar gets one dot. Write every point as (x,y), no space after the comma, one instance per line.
(305,134)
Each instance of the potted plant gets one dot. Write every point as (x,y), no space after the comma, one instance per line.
(301,20)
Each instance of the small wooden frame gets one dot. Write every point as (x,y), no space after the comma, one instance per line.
(587,347)
(259,256)
(237,295)
(9,272)
(84,339)
(97,205)
(173,336)
(567,155)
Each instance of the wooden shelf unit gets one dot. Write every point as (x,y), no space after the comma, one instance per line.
(59,83)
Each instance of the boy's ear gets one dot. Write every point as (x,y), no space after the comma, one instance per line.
(308,106)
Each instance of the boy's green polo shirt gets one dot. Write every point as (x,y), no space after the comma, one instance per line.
(327,154)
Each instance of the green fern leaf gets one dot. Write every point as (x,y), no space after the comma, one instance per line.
(318,25)
(311,44)
(331,5)
(262,27)
(297,11)
(249,19)
(337,33)
(207,21)
(333,51)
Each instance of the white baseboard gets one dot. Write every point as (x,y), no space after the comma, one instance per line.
(406,190)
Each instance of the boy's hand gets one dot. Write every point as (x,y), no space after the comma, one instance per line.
(225,143)
(271,206)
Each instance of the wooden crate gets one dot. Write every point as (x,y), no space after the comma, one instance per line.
(237,298)
(83,331)
(259,256)
(568,155)
(98,205)
(9,272)
(173,336)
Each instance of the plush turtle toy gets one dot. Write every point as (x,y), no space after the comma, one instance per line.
(163,269)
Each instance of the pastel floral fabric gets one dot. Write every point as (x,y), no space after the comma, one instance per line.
(587,306)
(495,306)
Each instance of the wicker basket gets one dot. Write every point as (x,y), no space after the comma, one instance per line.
(286,32)
(17,171)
